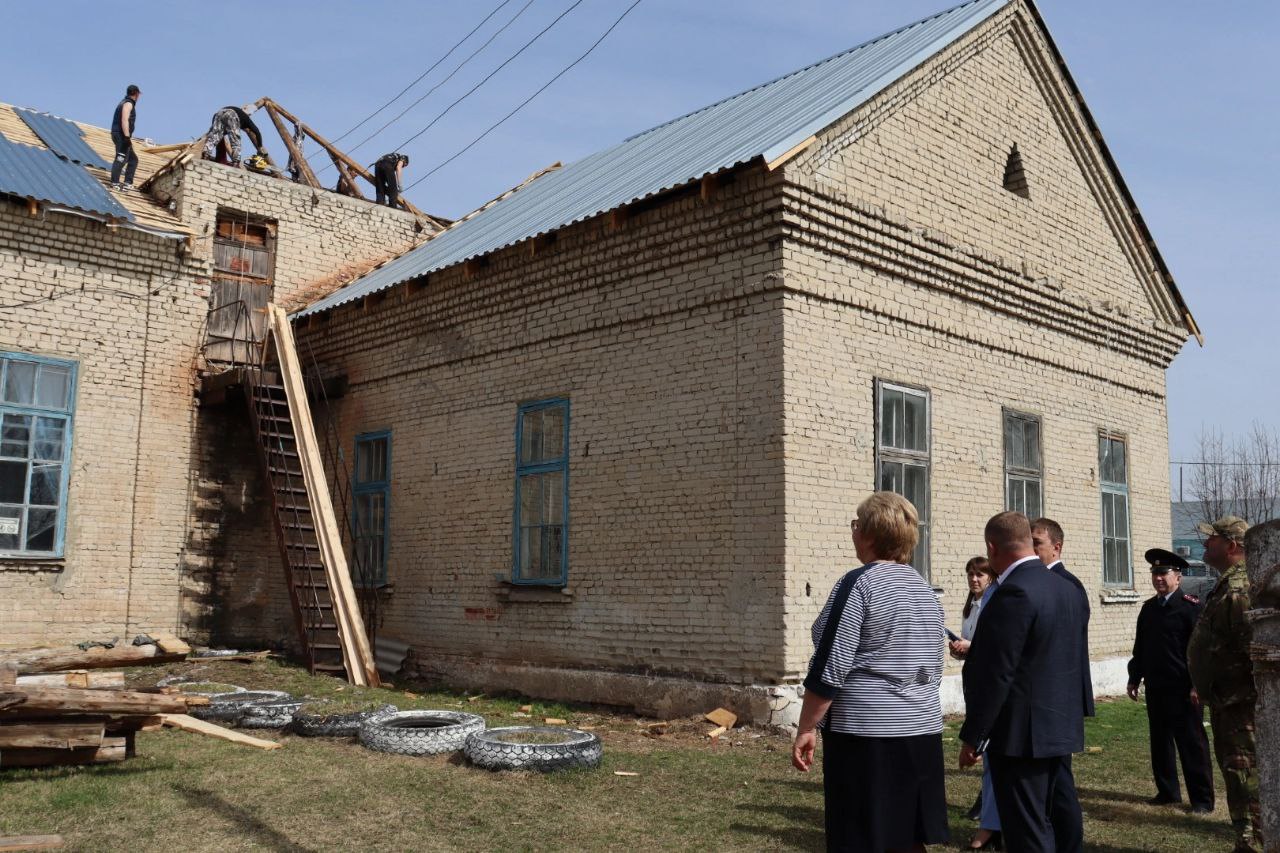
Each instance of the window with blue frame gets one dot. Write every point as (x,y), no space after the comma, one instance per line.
(371,494)
(36,408)
(542,493)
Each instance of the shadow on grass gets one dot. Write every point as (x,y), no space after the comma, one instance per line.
(241,819)
(49,774)
(797,837)
(1112,796)
(1178,821)
(810,785)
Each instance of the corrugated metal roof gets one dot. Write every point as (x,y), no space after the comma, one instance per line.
(63,137)
(764,122)
(31,172)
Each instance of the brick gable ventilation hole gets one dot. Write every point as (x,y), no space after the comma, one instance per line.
(1015,177)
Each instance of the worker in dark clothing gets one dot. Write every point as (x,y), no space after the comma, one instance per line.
(1174,717)
(388,177)
(222,142)
(122,125)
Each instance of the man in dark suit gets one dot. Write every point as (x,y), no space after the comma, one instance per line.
(1023,688)
(1068,823)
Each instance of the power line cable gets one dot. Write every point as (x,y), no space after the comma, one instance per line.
(527,100)
(420,77)
(491,74)
(450,76)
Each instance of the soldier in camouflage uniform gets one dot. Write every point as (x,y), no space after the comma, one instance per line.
(1222,674)
(222,142)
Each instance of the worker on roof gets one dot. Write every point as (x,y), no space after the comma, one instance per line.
(388,177)
(122,125)
(222,142)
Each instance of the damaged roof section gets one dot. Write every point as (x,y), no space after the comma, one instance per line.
(60,140)
(766,122)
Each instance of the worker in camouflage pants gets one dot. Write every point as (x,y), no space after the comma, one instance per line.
(1222,672)
(222,142)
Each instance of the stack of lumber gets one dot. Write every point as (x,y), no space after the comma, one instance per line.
(57,706)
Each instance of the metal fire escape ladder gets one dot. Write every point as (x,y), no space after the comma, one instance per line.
(330,627)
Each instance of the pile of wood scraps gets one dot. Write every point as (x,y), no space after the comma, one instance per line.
(58,708)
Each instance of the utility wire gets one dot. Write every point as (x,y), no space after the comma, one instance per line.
(450,76)
(491,74)
(527,100)
(420,77)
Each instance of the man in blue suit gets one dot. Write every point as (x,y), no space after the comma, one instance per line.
(1023,688)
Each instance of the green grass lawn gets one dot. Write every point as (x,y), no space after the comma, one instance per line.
(192,793)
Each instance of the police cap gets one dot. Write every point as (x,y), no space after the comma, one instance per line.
(1162,561)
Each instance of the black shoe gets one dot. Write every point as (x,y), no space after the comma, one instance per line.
(975,811)
(1201,808)
(1161,800)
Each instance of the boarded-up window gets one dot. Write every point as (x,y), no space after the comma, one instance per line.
(243,274)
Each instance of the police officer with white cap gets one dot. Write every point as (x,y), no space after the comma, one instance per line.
(1160,659)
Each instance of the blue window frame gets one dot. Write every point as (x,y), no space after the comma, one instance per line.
(37,406)
(541,514)
(371,496)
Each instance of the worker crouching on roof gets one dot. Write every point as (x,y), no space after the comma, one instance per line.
(388,175)
(222,142)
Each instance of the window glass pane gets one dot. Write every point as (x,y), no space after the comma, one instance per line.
(552,488)
(13,482)
(1104,459)
(1013,494)
(531,498)
(1012,444)
(916,423)
(20,383)
(1032,508)
(1120,505)
(46,480)
(15,435)
(542,436)
(1031,444)
(41,526)
(530,552)
(891,477)
(920,557)
(53,386)
(552,433)
(917,488)
(890,418)
(1118,472)
(371,461)
(50,433)
(10,526)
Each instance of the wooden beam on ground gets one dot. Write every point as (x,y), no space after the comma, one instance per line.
(51,735)
(166,650)
(111,749)
(191,724)
(304,168)
(95,680)
(72,700)
(356,654)
(14,843)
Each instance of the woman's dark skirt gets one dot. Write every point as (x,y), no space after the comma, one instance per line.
(883,793)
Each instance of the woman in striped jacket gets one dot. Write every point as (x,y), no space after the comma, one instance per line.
(872,688)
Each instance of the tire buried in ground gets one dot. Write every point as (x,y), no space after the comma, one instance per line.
(420,732)
(543,748)
(337,725)
(229,707)
(269,715)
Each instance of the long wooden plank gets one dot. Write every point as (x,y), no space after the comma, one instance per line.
(191,724)
(53,735)
(112,749)
(14,843)
(54,660)
(76,678)
(74,700)
(356,653)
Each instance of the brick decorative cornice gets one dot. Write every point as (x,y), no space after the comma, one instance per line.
(821,219)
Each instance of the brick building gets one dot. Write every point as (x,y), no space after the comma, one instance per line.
(625,413)
(608,430)
(119,492)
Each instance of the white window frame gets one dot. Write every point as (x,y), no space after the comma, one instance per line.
(1017,477)
(921,459)
(1112,493)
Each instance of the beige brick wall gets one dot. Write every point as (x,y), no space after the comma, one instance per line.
(126,309)
(165,511)
(671,360)
(908,261)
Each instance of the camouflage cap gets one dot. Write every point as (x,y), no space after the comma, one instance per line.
(1231,527)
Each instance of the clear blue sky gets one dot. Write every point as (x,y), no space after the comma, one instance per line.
(1185,93)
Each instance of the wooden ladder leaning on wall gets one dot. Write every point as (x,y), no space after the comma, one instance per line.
(330,629)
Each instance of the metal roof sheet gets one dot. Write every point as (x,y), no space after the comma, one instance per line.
(763,122)
(62,136)
(38,173)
